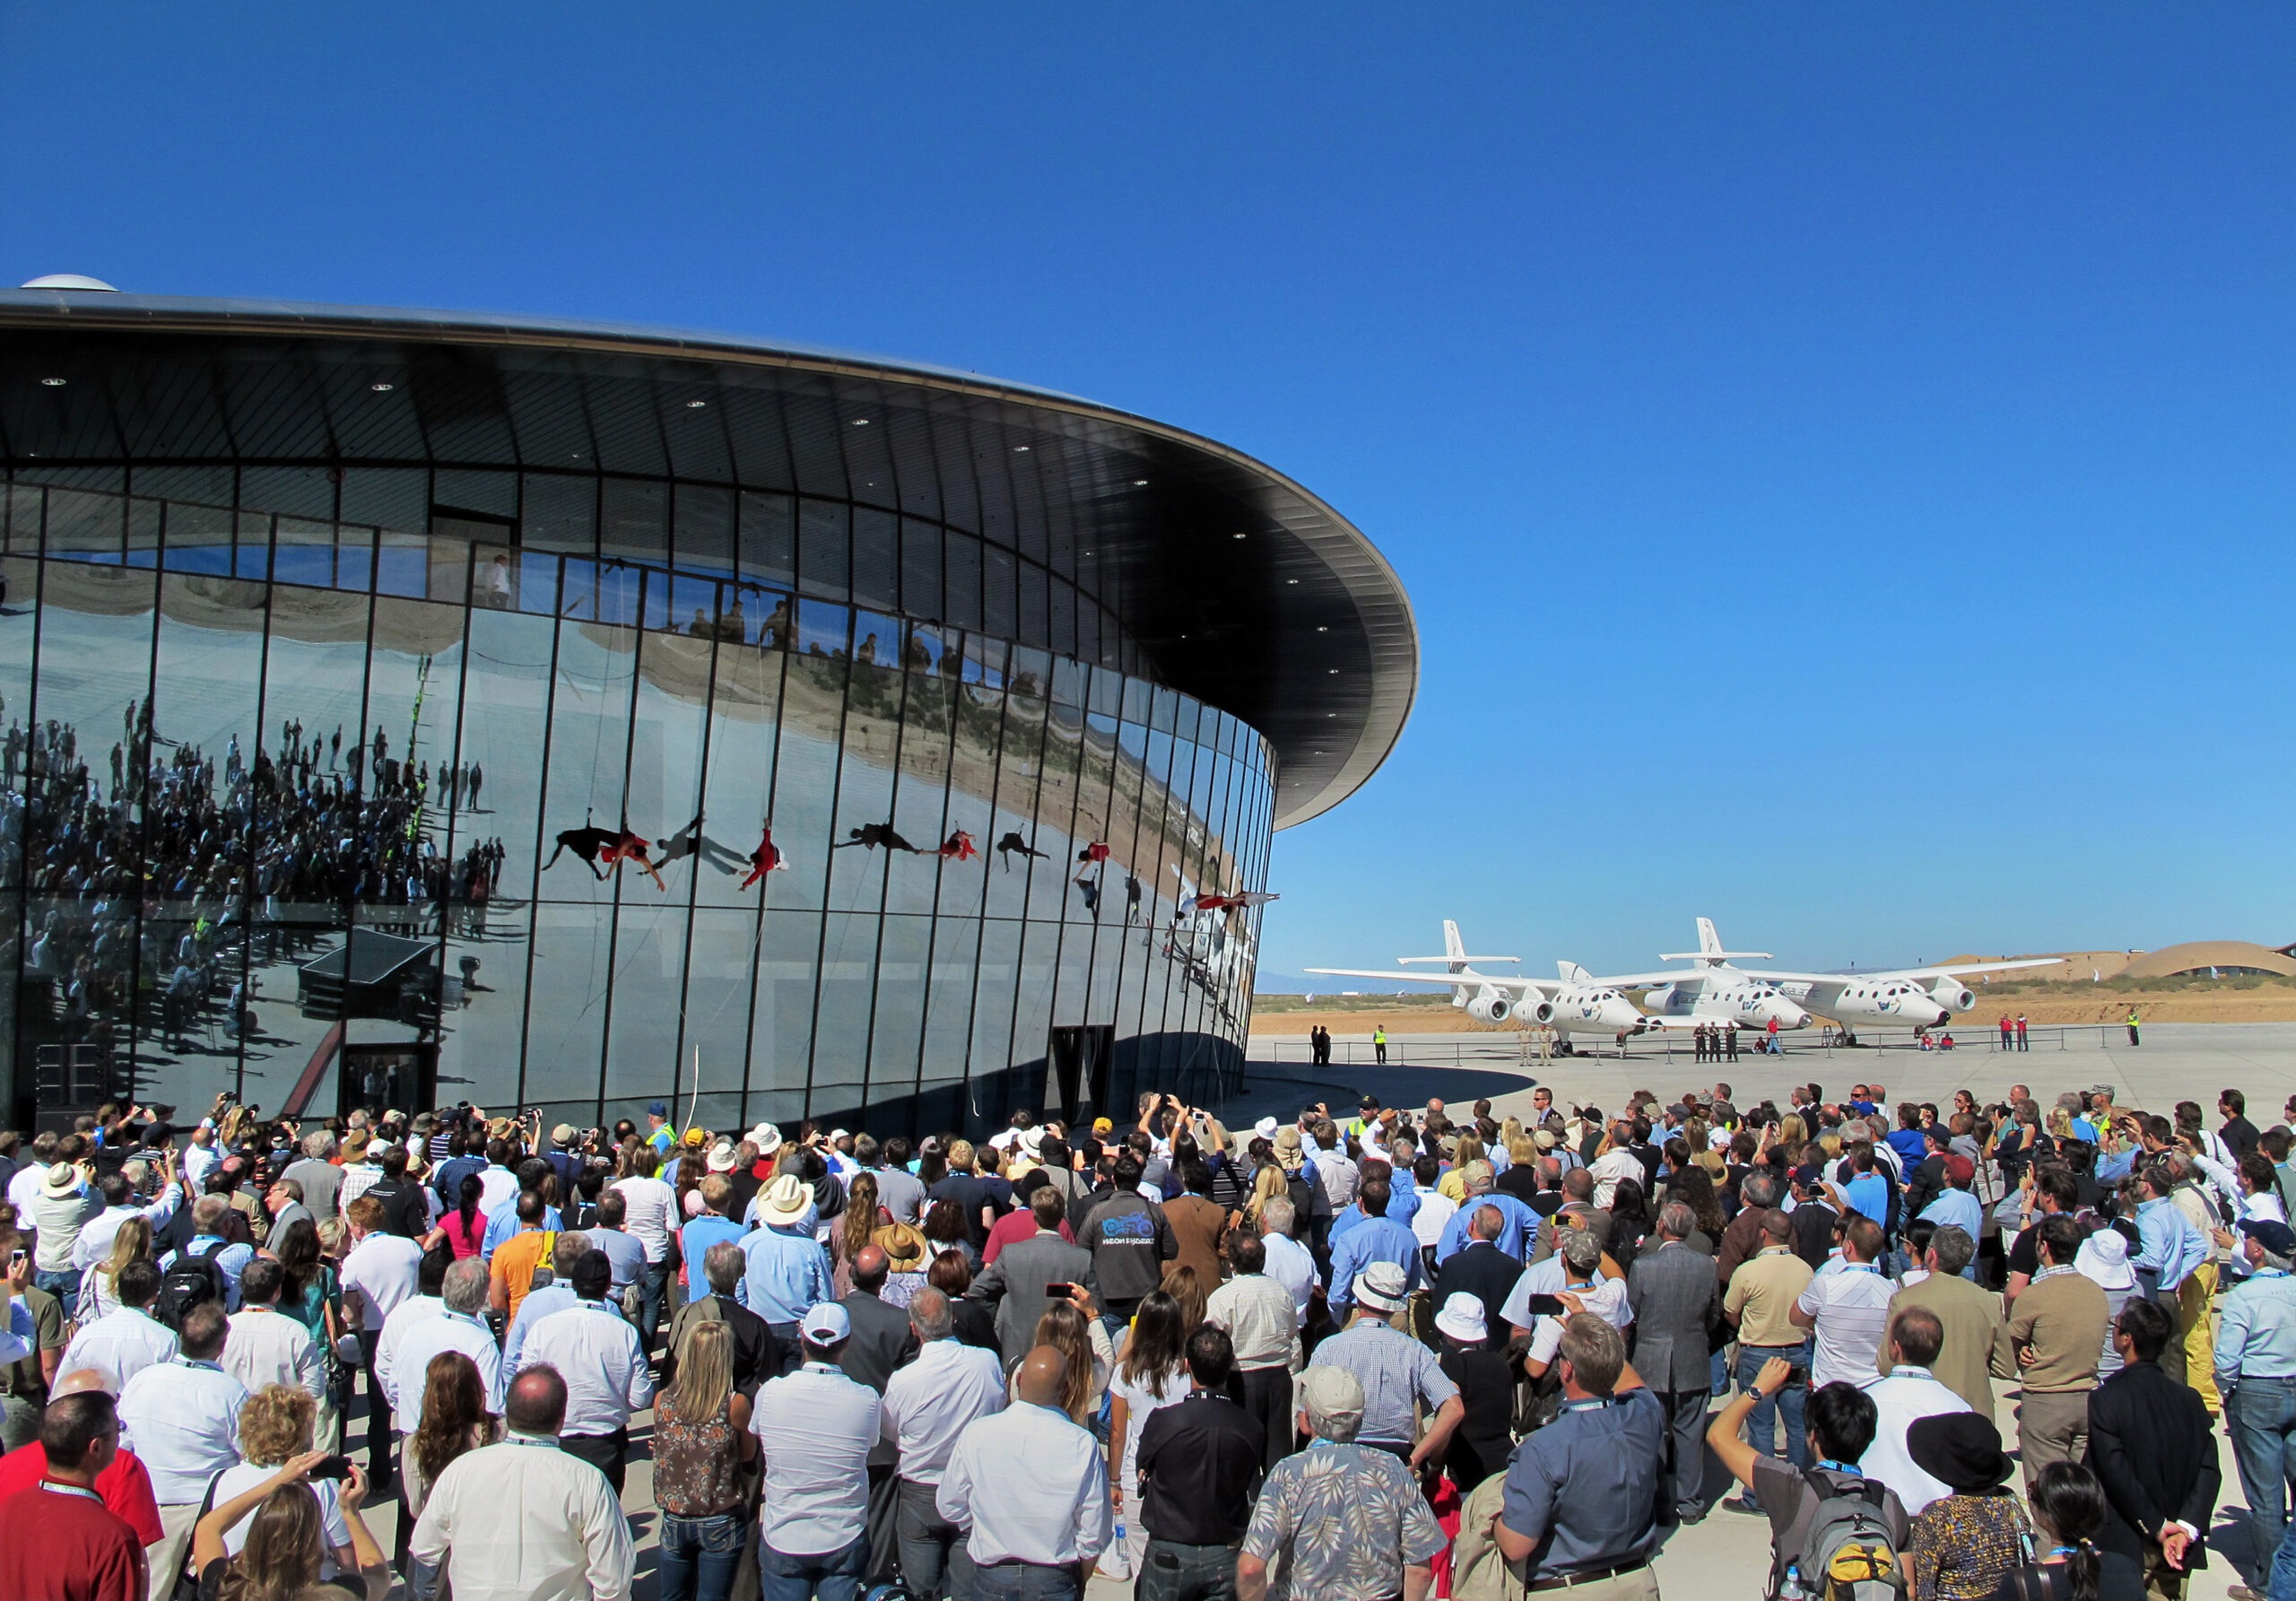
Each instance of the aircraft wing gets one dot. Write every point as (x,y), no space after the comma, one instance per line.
(1880,977)
(1449,980)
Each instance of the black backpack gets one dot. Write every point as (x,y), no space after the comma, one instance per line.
(190,1281)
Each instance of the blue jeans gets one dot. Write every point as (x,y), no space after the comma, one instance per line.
(1762,1422)
(1173,1573)
(64,1285)
(832,1575)
(2263,1415)
(702,1555)
(652,1289)
(1023,1581)
(2281,1584)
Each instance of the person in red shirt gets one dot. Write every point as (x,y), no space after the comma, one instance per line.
(124,1484)
(58,1540)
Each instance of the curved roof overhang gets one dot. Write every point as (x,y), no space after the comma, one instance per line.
(1248,591)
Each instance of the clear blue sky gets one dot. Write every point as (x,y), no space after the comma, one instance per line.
(1840,456)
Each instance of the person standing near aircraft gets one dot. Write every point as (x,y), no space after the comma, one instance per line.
(1379,1039)
(2005,1032)
(2133,1021)
(2022,1043)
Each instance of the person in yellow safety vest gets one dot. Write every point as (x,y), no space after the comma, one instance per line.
(1379,1044)
(1368,1111)
(2132,1025)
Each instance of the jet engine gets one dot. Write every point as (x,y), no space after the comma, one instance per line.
(1532,1009)
(1953,995)
(1490,1004)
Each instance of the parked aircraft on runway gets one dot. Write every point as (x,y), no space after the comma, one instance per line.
(1576,1003)
(1917,998)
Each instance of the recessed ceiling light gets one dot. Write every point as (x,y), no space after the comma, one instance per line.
(860,422)
(1140,483)
(1020,450)
(1322,628)
(1332,671)
(53,383)
(695,405)
(1243,536)
(382,388)
(1331,714)
(1291,581)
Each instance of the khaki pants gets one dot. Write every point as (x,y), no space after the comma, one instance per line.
(2195,1334)
(166,1557)
(2052,1426)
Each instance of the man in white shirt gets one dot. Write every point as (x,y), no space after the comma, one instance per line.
(814,1429)
(123,1343)
(1910,1393)
(1617,1160)
(200,1157)
(598,1356)
(379,1274)
(181,1418)
(121,1203)
(523,1519)
(928,1404)
(1289,1263)
(1032,1491)
(420,1307)
(458,1326)
(1850,1309)
(650,1212)
(1257,1313)
(268,1347)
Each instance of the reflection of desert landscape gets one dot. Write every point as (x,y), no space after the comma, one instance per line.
(1091,787)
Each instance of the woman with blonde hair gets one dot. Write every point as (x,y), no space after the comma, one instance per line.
(276,1424)
(99,1290)
(1268,1184)
(284,1541)
(455,1420)
(701,1438)
(1080,1339)
(1453,1185)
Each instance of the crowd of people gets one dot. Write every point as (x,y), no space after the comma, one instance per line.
(311,822)
(1386,1356)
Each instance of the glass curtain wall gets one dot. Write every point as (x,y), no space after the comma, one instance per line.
(566,791)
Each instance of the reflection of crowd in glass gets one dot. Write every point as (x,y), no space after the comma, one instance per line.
(318,824)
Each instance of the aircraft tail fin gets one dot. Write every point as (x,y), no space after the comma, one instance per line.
(1572,973)
(1455,958)
(1709,952)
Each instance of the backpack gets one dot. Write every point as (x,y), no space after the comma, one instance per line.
(193,1280)
(1848,1555)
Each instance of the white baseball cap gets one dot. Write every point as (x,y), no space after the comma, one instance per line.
(826,1325)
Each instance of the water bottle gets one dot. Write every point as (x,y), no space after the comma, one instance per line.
(1792,1588)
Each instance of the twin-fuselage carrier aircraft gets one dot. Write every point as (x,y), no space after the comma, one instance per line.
(1713,992)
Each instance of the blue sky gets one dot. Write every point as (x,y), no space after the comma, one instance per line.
(1840,456)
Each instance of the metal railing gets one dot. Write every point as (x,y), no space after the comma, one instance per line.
(1515,1046)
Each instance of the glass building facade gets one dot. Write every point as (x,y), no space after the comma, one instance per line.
(353,781)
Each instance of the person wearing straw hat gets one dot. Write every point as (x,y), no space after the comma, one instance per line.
(1967,1541)
(787,1273)
(1337,1518)
(1399,1375)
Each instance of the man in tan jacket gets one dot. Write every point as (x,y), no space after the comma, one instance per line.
(2058,1330)
(1977,1349)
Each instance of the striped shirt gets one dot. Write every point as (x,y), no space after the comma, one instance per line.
(1852,1309)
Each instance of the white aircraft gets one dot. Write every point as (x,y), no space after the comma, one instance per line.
(1576,1003)
(1916,998)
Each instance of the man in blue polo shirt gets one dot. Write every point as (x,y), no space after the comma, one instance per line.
(1377,1238)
